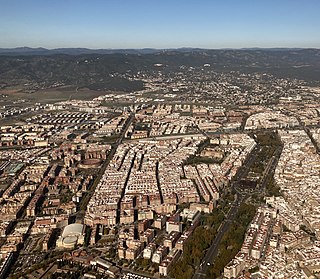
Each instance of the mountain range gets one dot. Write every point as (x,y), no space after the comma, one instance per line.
(95,69)
(81,51)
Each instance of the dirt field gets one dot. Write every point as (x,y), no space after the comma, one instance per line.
(51,95)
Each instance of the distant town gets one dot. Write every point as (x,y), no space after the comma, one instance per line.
(200,173)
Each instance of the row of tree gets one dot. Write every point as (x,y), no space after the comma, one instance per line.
(232,241)
(197,245)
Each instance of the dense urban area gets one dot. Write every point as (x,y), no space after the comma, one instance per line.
(158,171)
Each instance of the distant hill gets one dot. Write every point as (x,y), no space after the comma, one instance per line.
(95,68)
(71,51)
(80,51)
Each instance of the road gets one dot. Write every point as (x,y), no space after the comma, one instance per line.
(213,250)
(271,166)
(84,202)
(242,173)
(306,128)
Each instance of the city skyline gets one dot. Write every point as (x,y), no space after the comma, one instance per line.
(141,24)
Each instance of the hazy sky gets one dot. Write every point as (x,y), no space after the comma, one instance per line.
(160,23)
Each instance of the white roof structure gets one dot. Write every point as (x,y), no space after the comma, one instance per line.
(72,234)
(72,230)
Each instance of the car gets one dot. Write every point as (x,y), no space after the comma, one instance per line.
(208,263)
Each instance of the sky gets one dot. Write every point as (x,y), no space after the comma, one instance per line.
(159,23)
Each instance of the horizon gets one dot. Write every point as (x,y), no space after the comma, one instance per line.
(143,24)
(154,48)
